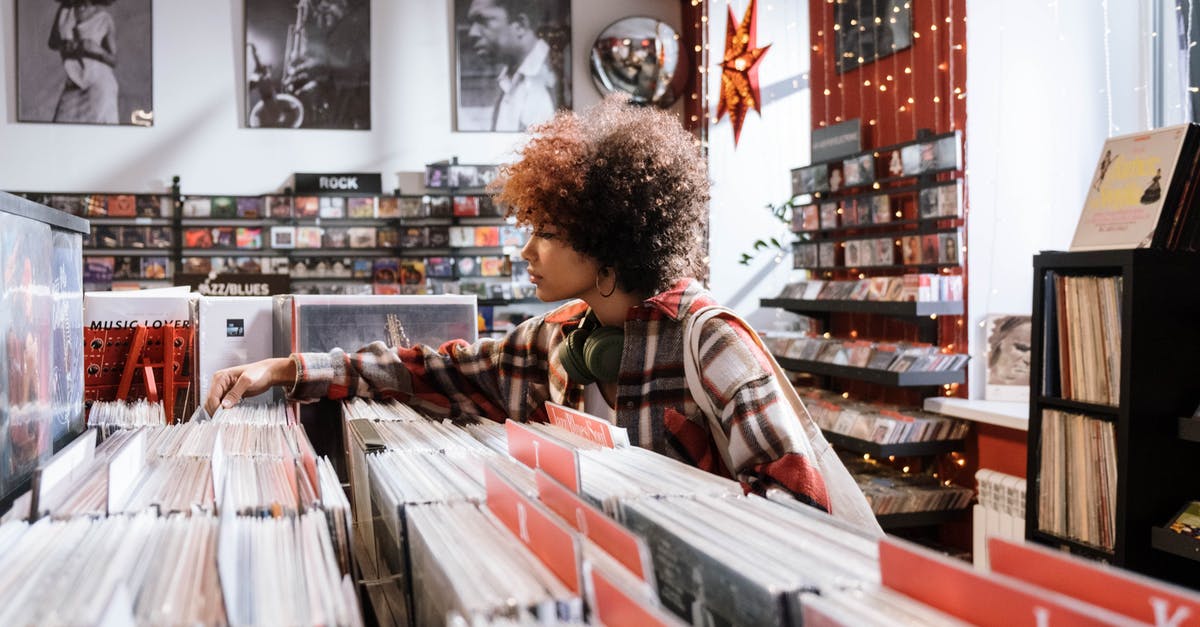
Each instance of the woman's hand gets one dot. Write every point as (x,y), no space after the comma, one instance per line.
(231,385)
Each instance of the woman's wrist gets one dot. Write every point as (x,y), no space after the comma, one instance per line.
(283,371)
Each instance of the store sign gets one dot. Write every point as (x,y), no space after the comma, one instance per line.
(839,140)
(236,284)
(349,183)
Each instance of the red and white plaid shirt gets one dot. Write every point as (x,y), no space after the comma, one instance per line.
(513,377)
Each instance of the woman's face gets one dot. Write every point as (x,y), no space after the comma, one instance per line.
(558,271)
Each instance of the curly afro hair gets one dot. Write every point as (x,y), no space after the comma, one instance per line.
(625,185)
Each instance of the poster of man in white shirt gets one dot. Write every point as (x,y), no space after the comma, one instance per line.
(513,63)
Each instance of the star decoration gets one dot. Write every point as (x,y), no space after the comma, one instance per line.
(739,69)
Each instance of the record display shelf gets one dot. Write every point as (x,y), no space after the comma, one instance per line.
(873,375)
(901,449)
(888,308)
(919,519)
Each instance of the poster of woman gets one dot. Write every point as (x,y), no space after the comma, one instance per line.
(84,62)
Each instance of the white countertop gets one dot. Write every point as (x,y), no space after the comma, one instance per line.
(1013,415)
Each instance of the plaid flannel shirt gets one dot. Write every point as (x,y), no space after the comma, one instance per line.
(514,376)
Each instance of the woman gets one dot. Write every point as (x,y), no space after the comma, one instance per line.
(615,199)
(85,37)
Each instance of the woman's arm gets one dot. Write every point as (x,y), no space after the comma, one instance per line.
(106,50)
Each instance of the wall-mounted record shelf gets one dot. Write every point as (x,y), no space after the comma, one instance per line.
(870,375)
(1168,541)
(888,308)
(903,449)
(919,519)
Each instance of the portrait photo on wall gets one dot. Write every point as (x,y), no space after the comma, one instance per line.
(870,29)
(512,62)
(1008,357)
(84,62)
(308,64)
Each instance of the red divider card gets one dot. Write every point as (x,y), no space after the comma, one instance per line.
(980,598)
(536,451)
(584,425)
(1121,591)
(617,541)
(612,605)
(552,542)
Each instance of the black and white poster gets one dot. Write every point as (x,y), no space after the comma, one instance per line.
(84,62)
(308,64)
(512,63)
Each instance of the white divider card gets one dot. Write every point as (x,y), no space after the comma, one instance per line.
(236,593)
(67,463)
(1121,591)
(957,589)
(124,467)
(537,451)
(219,469)
(613,604)
(622,544)
(587,426)
(550,540)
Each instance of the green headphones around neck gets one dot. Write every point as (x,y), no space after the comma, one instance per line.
(592,352)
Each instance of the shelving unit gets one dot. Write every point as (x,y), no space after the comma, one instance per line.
(905,449)
(1155,455)
(872,375)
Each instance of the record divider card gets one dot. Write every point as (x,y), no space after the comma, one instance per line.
(539,452)
(550,540)
(613,605)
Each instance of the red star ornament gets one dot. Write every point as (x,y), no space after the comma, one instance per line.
(739,69)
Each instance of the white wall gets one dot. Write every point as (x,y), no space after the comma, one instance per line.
(1040,97)
(198,78)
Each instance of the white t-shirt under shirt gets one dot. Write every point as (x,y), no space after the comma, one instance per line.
(527,95)
(595,404)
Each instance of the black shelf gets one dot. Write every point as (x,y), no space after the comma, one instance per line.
(903,449)
(127,252)
(1106,412)
(1166,540)
(919,519)
(1072,546)
(493,302)
(910,266)
(186,221)
(871,375)
(889,308)
(1189,429)
(882,226)
(142,221)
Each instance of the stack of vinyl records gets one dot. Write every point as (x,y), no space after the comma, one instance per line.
(891,491)
(871,605)
(109,416)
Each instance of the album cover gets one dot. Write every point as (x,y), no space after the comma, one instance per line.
(487,236)
(512,236)
(827,254)
(335,237)
(279,206)
(387,237)
(331,207)
(949,245)
(881,209)
(930,246)
(134,236)
(224,237)
(361,236)
(910,249)
(232,331)
(363,268)
(412,272)
(197,265)
(461,236)
(249,237)
(413,237)
(360,207)
(437,175)
(829,215)
(812,179)
(249,207)
(308,237)
(154,206)
(306,207)
(468,267)
(910,157)
(851,253)
(159,237)
(950,200)
(489,208)
(466,206)
(439,267)
(224,207)
(387,207)
(122,206)
(927,203)
(70,203)
(858,170)
(278,265)
(107,236)
(283,237)
(412,207)
(197,207)
(849,211)
(947,155)
(387,270)
(885,252)
(493,266)
(519,270)
(805,256)
(98,270)
(437,236)
(155,267)
(198,237)
(126,268)
(438,206)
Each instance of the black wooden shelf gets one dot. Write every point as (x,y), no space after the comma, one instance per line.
(127,252)
(909,266)
(871,375)
(1104,412)
(880,228)
(1189,429)
(890,308)
(1073,546)
(1168,541)
(129,221)
(919,519)
(902,449)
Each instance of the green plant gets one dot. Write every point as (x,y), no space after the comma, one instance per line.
(781,212)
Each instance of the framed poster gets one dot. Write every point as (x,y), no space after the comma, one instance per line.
(512,63)
(308,64)
(84,62)
(1009,342)
(870,29)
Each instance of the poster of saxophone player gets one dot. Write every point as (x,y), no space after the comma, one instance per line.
(84,62)
(308,64)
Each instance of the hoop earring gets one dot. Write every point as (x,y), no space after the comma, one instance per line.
(610,292)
